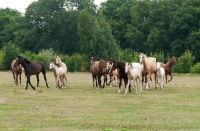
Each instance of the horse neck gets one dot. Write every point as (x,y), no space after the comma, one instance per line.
(120,66)
(169,64)
(144,61)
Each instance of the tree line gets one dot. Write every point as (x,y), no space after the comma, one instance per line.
(70,27)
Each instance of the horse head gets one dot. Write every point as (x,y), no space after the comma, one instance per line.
(18,60)
(173,61)
(103,66)
(113,66)
(92,59)
(51,65)
(141,56)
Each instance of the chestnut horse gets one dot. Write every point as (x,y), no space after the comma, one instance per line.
(98,68)
(122,75)
(149,67)
(168,67)
(31,68)
(16,71)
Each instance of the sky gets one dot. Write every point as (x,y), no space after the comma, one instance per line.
(23,4)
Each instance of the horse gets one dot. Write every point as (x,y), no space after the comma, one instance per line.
(61,64)
(122,75)
(149,67)
(168,67)
(113,76)
(59,72)
(98,68)
(31,68)
(135,75)
(16,71)
(160,74)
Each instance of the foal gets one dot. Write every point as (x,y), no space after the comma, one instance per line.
(16,71)
(134,75)
(58,72)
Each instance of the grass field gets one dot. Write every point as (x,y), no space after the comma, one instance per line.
(80,107)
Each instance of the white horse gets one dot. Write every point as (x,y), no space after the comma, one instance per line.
(133,74)
(59,73)
(160,74)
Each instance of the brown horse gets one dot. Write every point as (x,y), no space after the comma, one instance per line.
(122,75)
(98,68)
(16,71)
(168,67)
(31,68)
(149,67)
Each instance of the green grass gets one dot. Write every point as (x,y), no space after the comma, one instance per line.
(80,107)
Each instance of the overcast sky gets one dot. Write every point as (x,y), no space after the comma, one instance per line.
(21,5)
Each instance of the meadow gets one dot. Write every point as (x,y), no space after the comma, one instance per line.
(80,107)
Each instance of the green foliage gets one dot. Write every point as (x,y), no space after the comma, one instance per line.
(195,68)
(46,56)
(128,55)
(184,63)
(2,54)
(10,52)
(75,63)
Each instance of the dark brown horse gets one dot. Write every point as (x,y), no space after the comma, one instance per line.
(31,68)
(98,68)
(122,75)
(168,67)
(16,71)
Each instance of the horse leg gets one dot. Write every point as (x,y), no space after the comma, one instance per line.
(16,78)
(65,80)
(28,81)
(147,82)
(120,83)
(99,80)
(171,77)
(105,80)
(44,74)
(155,79)
(127,86)
(166,77)
(140,84)
(37,76)
(20,78)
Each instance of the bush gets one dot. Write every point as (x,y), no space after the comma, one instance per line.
(195,68)
(184,63)
(10,52)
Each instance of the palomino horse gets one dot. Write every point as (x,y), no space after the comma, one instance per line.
(31,68)
(149,67)
(16,71)
(122,75)
(98,68)
(168,67)
(58,73)
(62,64)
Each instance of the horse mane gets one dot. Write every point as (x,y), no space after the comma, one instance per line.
(27,61)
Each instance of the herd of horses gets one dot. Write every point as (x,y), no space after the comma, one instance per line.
(122,72)
(138,72)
